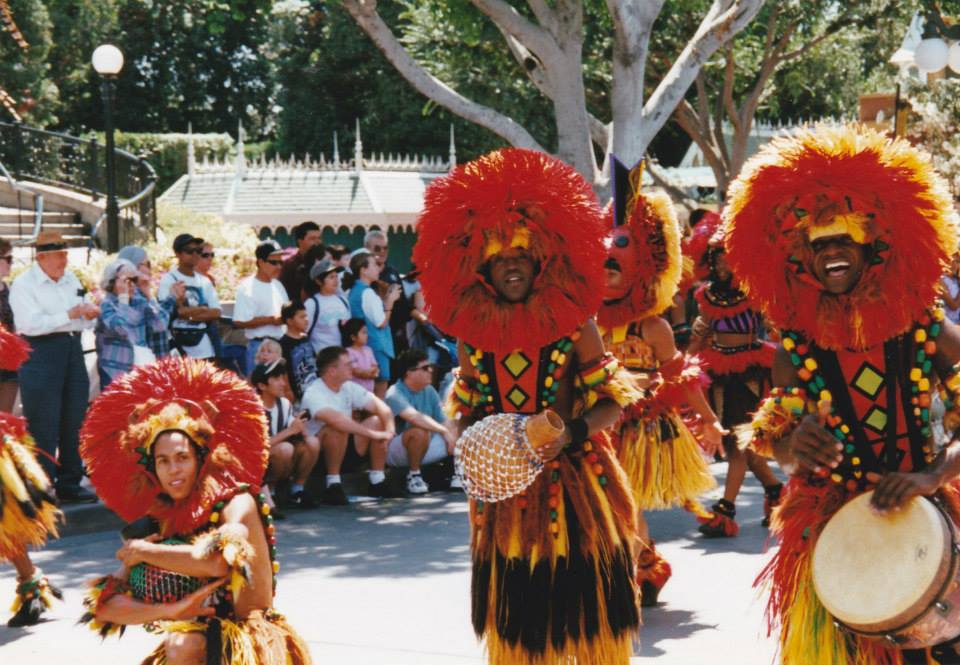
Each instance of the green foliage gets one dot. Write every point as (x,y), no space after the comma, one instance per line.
(25,74)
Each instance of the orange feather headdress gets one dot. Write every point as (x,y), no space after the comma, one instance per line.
(644,244)
(511,198)
(851,180)
(14,351)
(216,409)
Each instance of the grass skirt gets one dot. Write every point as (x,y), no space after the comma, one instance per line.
(663,462)
(263,638)
(553,579)
(28,512)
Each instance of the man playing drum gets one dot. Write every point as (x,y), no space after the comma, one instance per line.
(512,251)
(841,235)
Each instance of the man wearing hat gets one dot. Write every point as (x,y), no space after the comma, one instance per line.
(327,308)
(50,312)
(260,297)
(197,304)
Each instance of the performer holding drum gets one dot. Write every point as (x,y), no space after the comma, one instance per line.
(178,447)
(512,252)
(841,235)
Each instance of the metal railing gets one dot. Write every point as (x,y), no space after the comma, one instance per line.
(37,204)
(74,163)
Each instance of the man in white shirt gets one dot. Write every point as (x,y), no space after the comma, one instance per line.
(260,297)
(197,304)
(50,311)
(331,402)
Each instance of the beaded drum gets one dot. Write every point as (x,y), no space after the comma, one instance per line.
(498,457)
(159,585)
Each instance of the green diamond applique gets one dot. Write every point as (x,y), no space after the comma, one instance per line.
(868,381)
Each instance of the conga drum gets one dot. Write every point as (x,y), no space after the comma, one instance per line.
(891,576)
(499,457)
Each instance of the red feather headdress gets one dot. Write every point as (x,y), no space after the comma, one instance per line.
(883,192)
(511,198)
(215,408)
(14,351)
(646,247)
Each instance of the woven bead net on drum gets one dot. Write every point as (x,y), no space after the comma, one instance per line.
(158,585)
(495,458)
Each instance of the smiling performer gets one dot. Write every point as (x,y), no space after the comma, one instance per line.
(658,452)
(28,511)
(511,247)
(841,235)
(182,443)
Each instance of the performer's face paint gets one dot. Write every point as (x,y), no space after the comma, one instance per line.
(176,464)
(838,262)
(614,277)
(511,274)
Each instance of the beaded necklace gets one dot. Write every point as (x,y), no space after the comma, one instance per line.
(850,473)
(263,509)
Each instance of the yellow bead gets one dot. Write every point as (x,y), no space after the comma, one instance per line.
(938,314)
(826,396)
(855,461)
(844,429)
(276,567)
(265,509)
(789,344)
(214,518)
(548,381)
(916,374)
(810,364)
(587,446)
(920,335)
(836,477)
(484,379)
(924,385)
(554,355)
(562,360)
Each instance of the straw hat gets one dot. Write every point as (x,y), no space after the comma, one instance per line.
(49,241)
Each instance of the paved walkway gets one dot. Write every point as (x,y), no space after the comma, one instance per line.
(388,583)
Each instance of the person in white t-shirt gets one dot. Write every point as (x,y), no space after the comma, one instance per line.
(260,297)
(197,303)
(328,308)
(331,402)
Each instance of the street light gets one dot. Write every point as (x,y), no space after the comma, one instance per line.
(108,61)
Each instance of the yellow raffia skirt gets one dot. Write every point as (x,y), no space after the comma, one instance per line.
(663,461)
(28,512)
(263,638)
(553,580)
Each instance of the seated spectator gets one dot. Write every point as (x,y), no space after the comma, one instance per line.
(331,402)
(269,352)
(293,452)
(260,297)
(197,305)
(298,353)
(366,304)
(127,316)
(423,434)
(296,270)
(364,363)
(326,308)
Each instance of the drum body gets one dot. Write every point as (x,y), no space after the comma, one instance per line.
(893,576)
(159,585)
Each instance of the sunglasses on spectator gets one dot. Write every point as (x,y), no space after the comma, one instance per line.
(8,258)
(207,255)
(191,250)
(275,262)
(378,248)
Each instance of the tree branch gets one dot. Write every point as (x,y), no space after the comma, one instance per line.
(364,12)
(545,16)
(599,131)
(676,193)
(509,20)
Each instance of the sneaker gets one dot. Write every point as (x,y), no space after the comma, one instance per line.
(416,484)
(301,500)
(377,490)
(456,482)
(335,496)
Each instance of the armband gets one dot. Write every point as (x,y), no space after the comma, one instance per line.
(604,379)
(465,398)
(101,590)
(679,375)
(778,415)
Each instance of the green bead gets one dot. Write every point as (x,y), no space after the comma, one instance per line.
(812,387)
(921,355)
(553,514)
(551,367)
(925,415)
(914,389)
(925,430)
(849,448)
(555,476)
(552,399)
(935,330)
(602,480)
(820,382)
(806,533)
(927,366)
(273,552)
(794,358)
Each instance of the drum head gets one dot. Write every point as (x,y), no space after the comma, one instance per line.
(878,572)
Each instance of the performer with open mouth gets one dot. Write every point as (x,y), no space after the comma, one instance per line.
(841,235)
(511,247)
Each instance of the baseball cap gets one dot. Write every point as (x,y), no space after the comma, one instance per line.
(322,268)
(263,371)
(185,239)
(268,247)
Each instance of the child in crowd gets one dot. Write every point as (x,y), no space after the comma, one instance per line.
(293,452)
(269,352)
(298,353)
(365,369)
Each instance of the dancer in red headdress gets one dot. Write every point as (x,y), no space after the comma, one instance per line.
(179,446)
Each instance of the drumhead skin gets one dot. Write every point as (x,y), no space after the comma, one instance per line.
(877,573)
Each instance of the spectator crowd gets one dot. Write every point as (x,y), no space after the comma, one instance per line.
(336,343)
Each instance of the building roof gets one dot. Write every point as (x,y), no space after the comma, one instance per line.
(382,191)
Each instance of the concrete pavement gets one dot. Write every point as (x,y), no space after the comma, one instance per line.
(388,583)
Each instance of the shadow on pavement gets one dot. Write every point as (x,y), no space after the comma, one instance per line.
(662,623)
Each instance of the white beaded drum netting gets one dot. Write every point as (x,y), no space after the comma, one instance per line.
(496,459)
